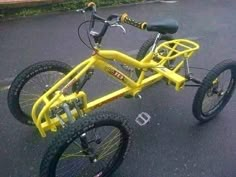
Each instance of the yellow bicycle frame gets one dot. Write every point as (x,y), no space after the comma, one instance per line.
(98,60)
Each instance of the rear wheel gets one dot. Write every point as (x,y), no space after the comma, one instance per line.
(30,84)
(215,91)
(94,146)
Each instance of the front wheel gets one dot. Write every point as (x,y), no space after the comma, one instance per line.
(146,47)
(215,91)
(94,146)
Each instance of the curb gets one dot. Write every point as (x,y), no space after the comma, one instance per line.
(14,8)
(30,3)
(26,3)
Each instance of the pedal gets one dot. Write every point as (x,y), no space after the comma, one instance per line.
(143,118)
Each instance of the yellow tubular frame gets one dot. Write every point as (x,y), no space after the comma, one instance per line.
(99,61)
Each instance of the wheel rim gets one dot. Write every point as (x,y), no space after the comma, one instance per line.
(35,87)
(216,93)
(104,147)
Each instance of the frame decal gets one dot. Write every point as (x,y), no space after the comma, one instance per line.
(115,73)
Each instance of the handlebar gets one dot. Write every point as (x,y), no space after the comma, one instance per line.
(92,8)
(125,19)
(109,21)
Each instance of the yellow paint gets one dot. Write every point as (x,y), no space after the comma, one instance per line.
(99,60)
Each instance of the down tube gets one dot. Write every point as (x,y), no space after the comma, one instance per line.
(115,73)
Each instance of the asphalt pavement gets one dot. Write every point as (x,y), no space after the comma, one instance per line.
(173,144)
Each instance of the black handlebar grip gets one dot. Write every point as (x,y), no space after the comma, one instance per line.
(125,19)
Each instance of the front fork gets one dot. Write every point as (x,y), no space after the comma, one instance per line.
(77,105)
(87,149)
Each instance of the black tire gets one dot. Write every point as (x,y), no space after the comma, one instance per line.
(24,78)
(146,46)
(210,89)
(67,137)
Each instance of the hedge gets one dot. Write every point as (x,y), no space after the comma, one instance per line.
(67,5)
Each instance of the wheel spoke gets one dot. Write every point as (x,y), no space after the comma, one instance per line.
(102,142)
(35,87)
(42,80)
(28,100)
(36,82)
(209,103)
(110,141)
(27,105)
(212,100)
(110,144)
(76,154)
(105,139)
(108,150)
(30,95)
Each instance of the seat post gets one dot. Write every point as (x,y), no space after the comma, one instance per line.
(158,36)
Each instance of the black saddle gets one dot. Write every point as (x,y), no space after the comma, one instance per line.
(164,26)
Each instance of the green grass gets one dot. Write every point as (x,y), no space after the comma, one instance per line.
(68,5)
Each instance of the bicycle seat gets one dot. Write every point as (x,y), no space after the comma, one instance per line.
(164,26)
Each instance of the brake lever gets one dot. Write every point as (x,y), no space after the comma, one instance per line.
(120,26)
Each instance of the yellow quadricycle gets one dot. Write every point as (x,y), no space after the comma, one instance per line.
(50,94)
